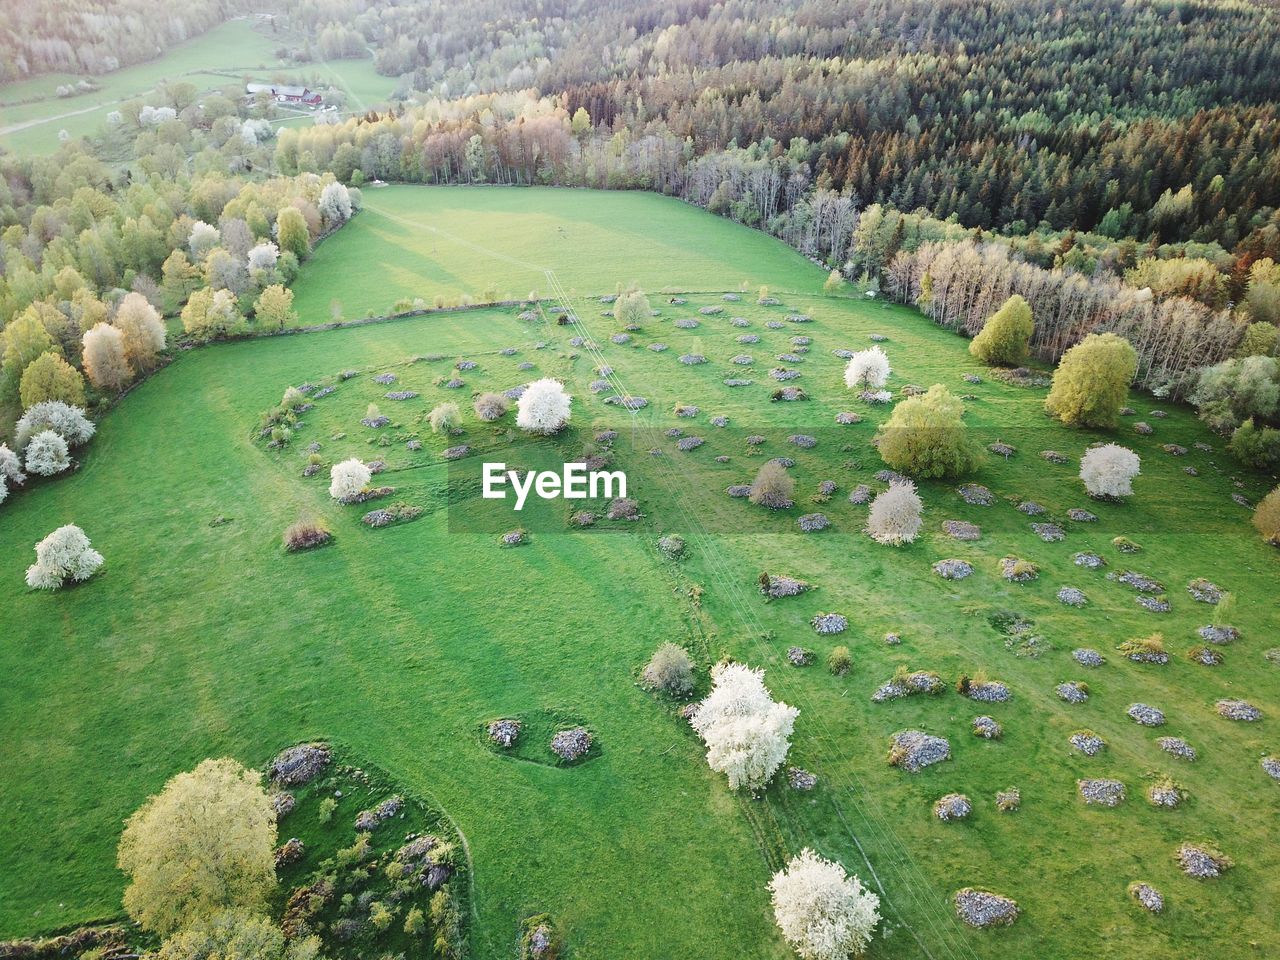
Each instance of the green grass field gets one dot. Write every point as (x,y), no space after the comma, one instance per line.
(31,115)
(200,639)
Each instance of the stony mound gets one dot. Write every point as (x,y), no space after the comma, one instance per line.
(299,764)
(982,908)
(913,750)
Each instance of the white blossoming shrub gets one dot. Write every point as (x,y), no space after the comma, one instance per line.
(47,454)
(63,555)
(867,370)
(264,256)
(824,913)
(66,421)
(348,479)
(1108,471)
(746,732)
(543,407)
(204,237)
(10,466)
(335,203)
(894,515)
(4,488)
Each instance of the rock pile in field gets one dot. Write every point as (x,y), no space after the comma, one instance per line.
(1002,449)
(1154,604)
(1238,710)
(1206,656)
(777,587)
(1164,793)
(1090,561)
(982,908)
(299,764)
(571,744)
(689,443)
(813,522)
(1053,456)
(827,623)
(799,656)
(367,820)
(1101,791)
(847,417)
(1140,582)
(423,862)
(988,691)
(692,359)
(386,379)
(1202,861)
(952,569)
(953,806)
(1081,516)
(921,681)
(1271,767)
(1177,746)
(282,804)
(1072,691)
(1087,742)
(504,732)
(583,518)
(1147,895)
(826,488)
(738,490)
(913,750)
(456,453)
(804,441)
(1030,508)
(1008,801)
(375,422)
(962,530)
(1016,570)
(289,852)
(1049,532)
(1087,656)
(1218,633)
(800,779)
(975,494)
(988,728)
(860,495)
(1205,591)
(1143,428)
(789,394)
(1072,597)
(1146,715)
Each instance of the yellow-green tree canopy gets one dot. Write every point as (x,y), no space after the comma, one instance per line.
(1092,381)
(926,436)
(49,377)
(292,233)
(1006,336)
(203,844)
(631,307)
(274,307)
(235,935)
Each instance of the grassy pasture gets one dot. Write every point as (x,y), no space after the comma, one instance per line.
(200,640)
(31,115)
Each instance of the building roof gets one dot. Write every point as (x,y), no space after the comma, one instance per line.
(279,91)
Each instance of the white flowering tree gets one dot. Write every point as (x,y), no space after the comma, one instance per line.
(894,515)
(263,257)
(543,407)
(746,731)
(348,479)
(204,237)
(10,466)
(63,555)
(335,203)
(823,912)
(1108,470)
(47,454)
(867,370)
(67,421)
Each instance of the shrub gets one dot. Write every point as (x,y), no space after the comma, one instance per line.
(104,359)
(1233,391)
(67,421)
(1006,336)
(490,407)
(348,479)
(47,454)
(63,555)
(1108,471)
(670,671)
(305,534)
(1151,647)
(925,436)
(1092,381)
(49,377)
(10,466)
(1266,518)
(444,418)
(210,314)
(446,917)
(205,843)
(335,203)
(1257,447)
(773,487)
(840,661)
(867,370)
(274,307)
(631,308)
(236,935)
(543,408)
(894,515)
(327,807)
(823,912)
(746,732)
(415,922)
